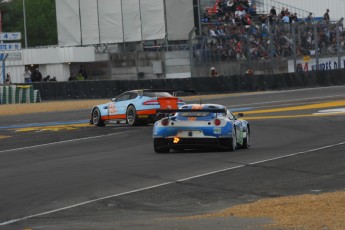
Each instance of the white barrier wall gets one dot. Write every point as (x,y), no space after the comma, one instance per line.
(180,18)
(131,20)
(153,29)
(110,22)
(67,15)
(89,22)
(86,22)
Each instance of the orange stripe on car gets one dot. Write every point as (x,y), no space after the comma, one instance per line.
(146,112)
(197,107)
(123,116)
(119,116)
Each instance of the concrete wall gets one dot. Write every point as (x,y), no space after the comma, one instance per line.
(53,61)
(175,64)
(61,62)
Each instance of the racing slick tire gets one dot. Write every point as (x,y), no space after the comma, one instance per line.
(159,146)
(96,118)
(233,144)
(131,116)
(246,141)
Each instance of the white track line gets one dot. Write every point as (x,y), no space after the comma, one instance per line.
(61,142)
(167,183)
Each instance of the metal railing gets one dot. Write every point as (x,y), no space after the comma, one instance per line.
(266,5)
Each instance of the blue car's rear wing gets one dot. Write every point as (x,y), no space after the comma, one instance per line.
(172,91)
(169,90)
(171,111)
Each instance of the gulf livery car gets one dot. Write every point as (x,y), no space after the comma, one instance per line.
(135,107)
(200,126)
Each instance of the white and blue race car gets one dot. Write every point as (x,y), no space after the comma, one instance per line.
(200,126)
(135,107)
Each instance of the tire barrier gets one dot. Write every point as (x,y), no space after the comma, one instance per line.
(17,94)
(202,85)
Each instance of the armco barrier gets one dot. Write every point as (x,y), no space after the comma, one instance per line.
(202,85)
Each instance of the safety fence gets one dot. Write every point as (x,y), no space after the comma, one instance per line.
(201,85)
(16,94)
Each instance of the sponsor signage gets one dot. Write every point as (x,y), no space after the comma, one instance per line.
(10,46)
(10,36)
(14,56)
(324,64)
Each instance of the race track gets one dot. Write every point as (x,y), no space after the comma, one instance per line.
(57,172)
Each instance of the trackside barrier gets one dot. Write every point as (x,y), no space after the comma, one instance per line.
(16,94)
(202,85)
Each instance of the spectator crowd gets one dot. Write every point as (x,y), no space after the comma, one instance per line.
(234,30)
(35,75)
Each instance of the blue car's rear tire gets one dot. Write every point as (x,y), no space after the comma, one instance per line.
(96,118)
(233,139)
(160,146)
(246,141)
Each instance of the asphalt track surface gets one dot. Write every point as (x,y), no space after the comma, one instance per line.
(85,177)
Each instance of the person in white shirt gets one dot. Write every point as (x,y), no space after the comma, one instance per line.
(213,33)
(27,75)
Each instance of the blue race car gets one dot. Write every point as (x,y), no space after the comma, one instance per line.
(135,107)
(200,126)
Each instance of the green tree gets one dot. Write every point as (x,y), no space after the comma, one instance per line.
(41,24)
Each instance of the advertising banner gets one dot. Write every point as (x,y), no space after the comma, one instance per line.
(309,64)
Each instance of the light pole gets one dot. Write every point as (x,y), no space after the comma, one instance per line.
(24,15)
(199,17)
(0,22)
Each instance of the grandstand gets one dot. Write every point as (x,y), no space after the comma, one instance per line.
(301,7)
(250,34)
